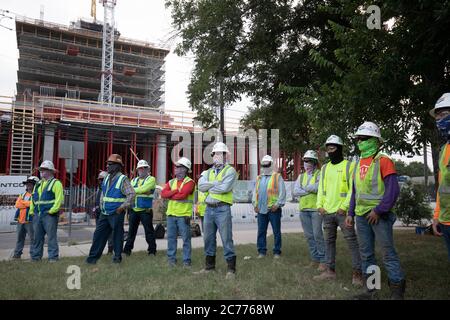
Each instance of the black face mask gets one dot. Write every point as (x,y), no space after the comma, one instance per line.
(113,168)
(336,156)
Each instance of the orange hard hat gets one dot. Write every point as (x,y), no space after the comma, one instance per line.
(115,158)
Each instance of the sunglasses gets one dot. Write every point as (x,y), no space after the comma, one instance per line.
(363,138)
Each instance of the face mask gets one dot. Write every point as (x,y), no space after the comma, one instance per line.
(309,166)
(180,172)
(142,173)
(368,148)
(30,187)
(443,126)
(266,171)
(113,168)
(336,156)
(218,159)
(46,174)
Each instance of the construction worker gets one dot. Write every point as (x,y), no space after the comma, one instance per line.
(180,192)
(117,196)
(441,219)
(374,193)
(333,200)
(48,196)
(144,186)
(97,210)
(217,182)
(23,217)
(305,188)
(269,196)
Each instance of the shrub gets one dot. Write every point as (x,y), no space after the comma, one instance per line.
(411,206)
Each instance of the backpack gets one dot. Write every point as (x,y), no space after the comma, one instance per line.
(160,231)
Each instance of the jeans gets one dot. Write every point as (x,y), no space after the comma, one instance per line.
(312,229)
(110,239)
(445,229)
(177,225)
(218,219)
(45,224)
(382,232)
(107,224)
(330,224)
(263,222)
(133,224)
(22,230)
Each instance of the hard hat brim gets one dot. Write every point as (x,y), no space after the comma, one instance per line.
(43,168)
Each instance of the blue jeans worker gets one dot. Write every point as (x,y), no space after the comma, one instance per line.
(180,193)
(217,183)
(374,193)
(269,196)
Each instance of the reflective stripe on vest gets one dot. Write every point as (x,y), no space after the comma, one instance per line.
(44,201)
(224,197)
(272,189)
(444,188)
(183,207)
(323,178)
(370,190)
(308,201)
(113,197)
(142,201)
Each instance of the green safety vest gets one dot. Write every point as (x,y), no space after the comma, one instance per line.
(224,197)
(272,189)
(344,183)
(444,188)
(370,190)
(180,208)
(142,202)
(310,200)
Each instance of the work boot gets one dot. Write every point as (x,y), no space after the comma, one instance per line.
(397,290)
(366,294)
(357,278)
(210,265)
(326,275)
(231,268)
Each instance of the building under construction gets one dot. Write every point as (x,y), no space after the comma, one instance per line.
(57,99)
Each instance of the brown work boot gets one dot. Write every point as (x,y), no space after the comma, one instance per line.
(357,278)
(326,275)
(322,267)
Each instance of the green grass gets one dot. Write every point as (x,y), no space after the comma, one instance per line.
(141,277)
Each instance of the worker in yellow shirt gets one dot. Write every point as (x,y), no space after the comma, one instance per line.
(441,219)
(23,217)
(333,202)
(48,197)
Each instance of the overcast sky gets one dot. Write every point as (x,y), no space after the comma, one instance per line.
(146,20)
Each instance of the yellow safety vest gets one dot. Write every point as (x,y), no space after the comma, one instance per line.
(444,188)
(180,208)
(224,197)
(310,200)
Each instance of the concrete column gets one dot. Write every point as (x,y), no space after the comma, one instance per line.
(161,161)
(49,143)
(253,158)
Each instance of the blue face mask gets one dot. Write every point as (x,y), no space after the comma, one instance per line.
(443,126)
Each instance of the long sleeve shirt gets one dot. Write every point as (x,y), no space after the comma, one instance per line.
(217,187)
(299,191)
(263,197)
(23,204)
(127,190)
(59,196)
(178,194)
(437,210)
(147,187)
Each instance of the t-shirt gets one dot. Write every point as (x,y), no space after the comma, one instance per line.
(386,165)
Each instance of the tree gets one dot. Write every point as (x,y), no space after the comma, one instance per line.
(411,206)
(412,169)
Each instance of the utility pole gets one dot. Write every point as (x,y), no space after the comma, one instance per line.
(222,107)
(425,165)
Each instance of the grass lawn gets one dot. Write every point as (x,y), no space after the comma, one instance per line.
(141,277)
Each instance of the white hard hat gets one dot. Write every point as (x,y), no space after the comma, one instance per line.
(47,164)
(443,102)
(267,158)
(369,129)
(102,175)
(310,154)
(220,147)
(185,162)
(333,139)
(142,164)
(32,179)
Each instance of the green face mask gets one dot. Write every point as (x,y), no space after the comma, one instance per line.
(368,148)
